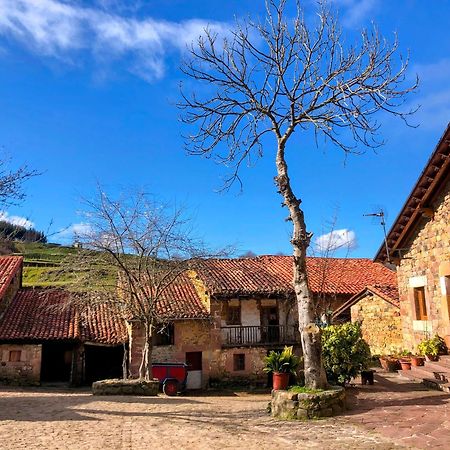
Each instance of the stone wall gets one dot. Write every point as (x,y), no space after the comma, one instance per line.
(26,370)
(380,324)
(290,405)
(426,262)
(190,336)
(223,365)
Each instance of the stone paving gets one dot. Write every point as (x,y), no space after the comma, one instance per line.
(390,414)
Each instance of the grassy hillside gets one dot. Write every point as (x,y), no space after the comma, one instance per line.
(41,263)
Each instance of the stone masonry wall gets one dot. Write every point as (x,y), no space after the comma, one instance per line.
(427,262)
(222,364)
(190,336)
(27,370)
(380,324)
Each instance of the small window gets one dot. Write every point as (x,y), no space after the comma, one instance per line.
(420,304)
(166,335)
(234,315)
(14,355)
(239,361)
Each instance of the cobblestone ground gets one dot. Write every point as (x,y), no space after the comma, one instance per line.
(383,416)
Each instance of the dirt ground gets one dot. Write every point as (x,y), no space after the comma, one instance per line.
(387,415)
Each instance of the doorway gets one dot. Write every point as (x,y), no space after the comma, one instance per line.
(270,331)
(194,369)
(102,362)
(56,363)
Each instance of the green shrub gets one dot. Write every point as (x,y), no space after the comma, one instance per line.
(433,346)
(284,362)
(345,353)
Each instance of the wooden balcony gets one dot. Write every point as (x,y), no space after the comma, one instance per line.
(259,335)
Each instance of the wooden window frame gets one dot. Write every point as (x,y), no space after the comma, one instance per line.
(234,315)
(15,355)
(239,362)
(420,303)
(165,336)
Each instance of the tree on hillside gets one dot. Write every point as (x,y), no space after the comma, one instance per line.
(282,76)
(133,250)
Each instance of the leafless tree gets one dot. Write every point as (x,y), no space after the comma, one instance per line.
(133,250)
(331,242)
(280,76)
(11,182)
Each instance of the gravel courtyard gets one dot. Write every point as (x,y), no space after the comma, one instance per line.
(387,415)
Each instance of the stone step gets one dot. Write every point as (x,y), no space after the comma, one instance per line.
(416,373)
(436,384)
(436,366)
(444,361)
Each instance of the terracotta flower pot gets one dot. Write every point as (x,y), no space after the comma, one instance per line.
(389,364)
(432,357)
(406,365)
(417,360)
(280,381)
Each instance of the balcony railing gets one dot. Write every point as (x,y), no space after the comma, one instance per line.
(259,335)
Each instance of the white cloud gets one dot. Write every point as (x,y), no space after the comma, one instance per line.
(61,29)
(16,220)
(75,230)
(335,240)
(355,12)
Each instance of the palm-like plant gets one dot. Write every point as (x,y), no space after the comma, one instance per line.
(281,362)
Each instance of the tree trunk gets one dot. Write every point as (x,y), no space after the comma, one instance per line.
(315,377)
(145,369)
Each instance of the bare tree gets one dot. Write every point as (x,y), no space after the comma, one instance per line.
(11,182)
(324,249)
(280,76)
(133,250)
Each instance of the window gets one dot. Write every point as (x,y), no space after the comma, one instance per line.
(420,304)
(239,361)
(234,315)
(14,355)
(166,335)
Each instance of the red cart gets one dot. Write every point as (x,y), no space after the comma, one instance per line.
(172,377)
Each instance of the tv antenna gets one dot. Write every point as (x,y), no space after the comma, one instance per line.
(382,216)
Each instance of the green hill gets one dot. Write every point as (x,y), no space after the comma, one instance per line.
(42,263)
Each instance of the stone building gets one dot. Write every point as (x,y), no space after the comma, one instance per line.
(221,319)
(377,309)
(253,309)
(419,245)
(44,340)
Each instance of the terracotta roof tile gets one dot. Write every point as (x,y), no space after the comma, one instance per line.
(388,292)
(39,315)
(272,275)
(9,266)
(181,301)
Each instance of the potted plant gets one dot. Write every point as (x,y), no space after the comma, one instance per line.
(281,365)
(432,347)
(389,363)
(405,363)
(417,360)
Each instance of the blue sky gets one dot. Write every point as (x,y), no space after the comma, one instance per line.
(87,90)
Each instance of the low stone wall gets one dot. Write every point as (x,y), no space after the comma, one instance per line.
(125,387)
(290,405)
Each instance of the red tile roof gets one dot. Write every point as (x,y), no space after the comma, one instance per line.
(43,314)
(180,300)
(9,266)
(388,292)
(272,275)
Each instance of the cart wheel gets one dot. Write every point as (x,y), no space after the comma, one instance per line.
(170,387)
